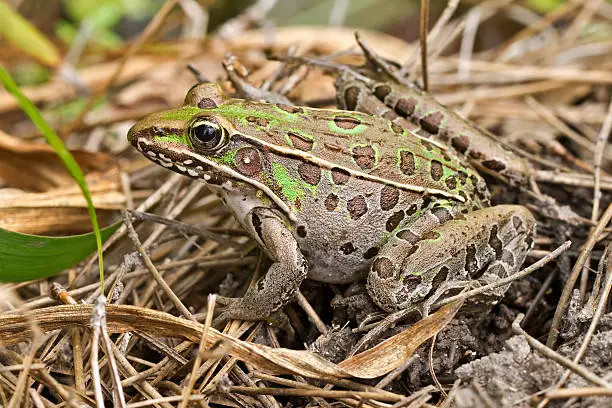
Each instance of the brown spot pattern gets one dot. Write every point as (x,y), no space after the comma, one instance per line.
(357,207)
(412,210)
(331,202)
(408,236)
(430,235)
(397,129)
(495,242)
(451,183)
(394,220)
(300,142)
(389,197)
(431,122)
(348,248)
(289,108)
(405,107)
(407,162)
(471,263)
(248,161)
(494,164)
(257,121)
(340,176)
(364,156)
(310,173)
(436,170)
(381,92)
(207,103)
(301,231)
(370,253)
(442,214)
(346,122)
(351,97)
(383,267)
(461,143)
(390,115)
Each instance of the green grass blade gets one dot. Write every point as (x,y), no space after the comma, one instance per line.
(56,143)
(25,36)
(25,257)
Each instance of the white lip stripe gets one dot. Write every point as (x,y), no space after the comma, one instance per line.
(233,174)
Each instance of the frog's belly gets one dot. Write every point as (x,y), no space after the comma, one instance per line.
(339,251)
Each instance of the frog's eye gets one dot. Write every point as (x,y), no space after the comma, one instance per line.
(206,134)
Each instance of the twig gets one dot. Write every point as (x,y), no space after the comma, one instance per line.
(154,272)
(556,357)
(310,312)
(579,392)
(530,269)
(424,27)
(571,281)
(302,392)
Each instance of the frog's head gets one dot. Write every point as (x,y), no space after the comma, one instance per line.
(194,139)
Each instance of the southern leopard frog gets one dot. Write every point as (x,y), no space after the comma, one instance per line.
(338,196)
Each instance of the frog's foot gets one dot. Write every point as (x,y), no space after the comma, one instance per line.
(283,278)
(482,245)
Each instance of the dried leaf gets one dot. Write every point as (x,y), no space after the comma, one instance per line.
(390,354)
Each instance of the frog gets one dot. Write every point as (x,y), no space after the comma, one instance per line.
(339,196)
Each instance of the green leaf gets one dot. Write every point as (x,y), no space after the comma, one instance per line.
(56,143)
(25,36)
(25,257)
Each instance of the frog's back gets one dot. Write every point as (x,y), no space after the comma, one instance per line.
(351,144)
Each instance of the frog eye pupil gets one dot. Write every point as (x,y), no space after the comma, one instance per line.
(205,133)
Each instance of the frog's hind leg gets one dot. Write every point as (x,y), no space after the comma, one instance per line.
(483,246)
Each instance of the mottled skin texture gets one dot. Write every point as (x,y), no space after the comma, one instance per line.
(333,195)
(379,93)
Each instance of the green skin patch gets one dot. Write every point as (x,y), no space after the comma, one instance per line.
(354,131)
(292,188)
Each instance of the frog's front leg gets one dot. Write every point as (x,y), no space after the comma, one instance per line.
(277,287)
(476,248)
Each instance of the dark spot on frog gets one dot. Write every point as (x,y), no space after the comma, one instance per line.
(348,248)
(351,97)
(405,107)
(248,161)
(427,145)
(494,164)
(300,142)
(207,103)
(389,196)
(471,263)
(461,143)
(462,176)
(340,176)
(370,253)
(517,222)
(444,135)
(364,156)
(436,170)
(310,173)
(256,222)
(408,236)
(331,202)
(394,220)
(473,179)
(411,250)
(431,122)
(397,128)
(289,108)
(430,235)
(346,122)
(257,121)
(357,207)
(442,214)
(383,267)
(301,231)
(451,183)
(495,242)
(463,195)
(407,162)
(381,92)
(411,210)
